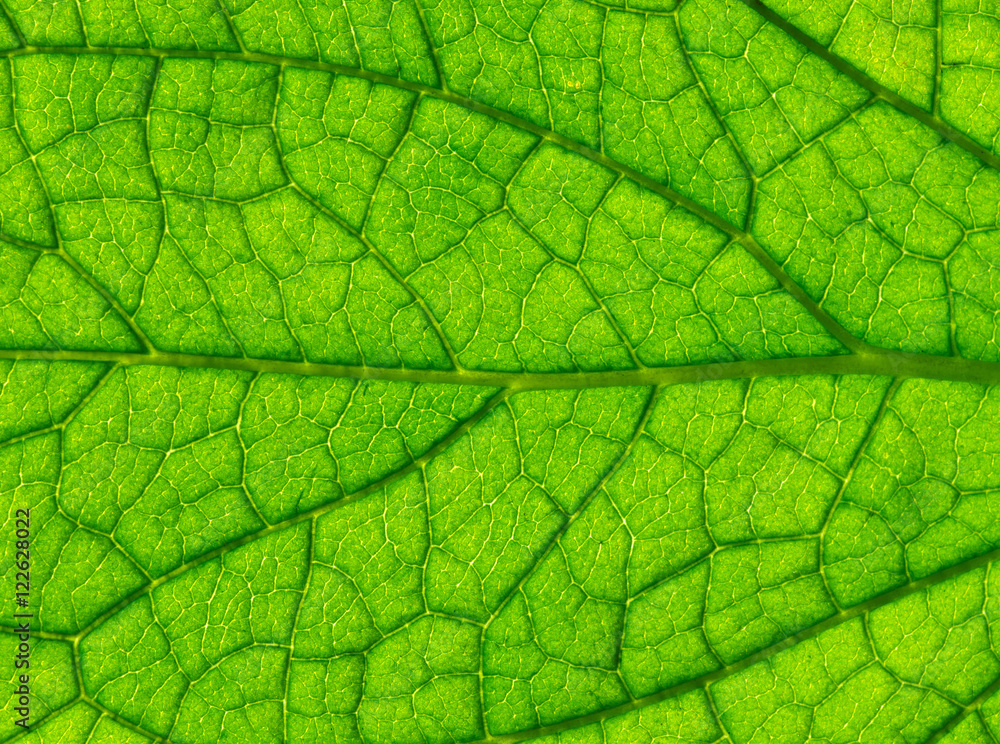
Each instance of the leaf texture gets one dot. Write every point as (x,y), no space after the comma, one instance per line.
(468,371)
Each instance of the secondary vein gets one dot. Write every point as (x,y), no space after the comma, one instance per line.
(738,234)
(897,101)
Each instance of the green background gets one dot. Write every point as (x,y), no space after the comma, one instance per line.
(467,370)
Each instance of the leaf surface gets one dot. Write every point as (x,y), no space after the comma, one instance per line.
(446,371)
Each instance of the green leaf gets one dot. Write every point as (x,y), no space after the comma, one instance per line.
(456,370)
